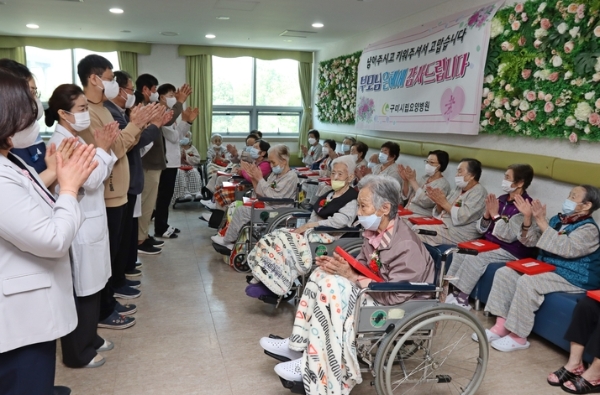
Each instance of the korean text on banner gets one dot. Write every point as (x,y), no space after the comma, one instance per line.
(428,79)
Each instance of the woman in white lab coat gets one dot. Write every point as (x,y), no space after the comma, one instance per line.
(90,250)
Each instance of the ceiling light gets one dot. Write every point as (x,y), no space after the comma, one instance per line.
(223,18)
(169,34)
(116,10)
(317,24)
(210,36)
(32,26)
(288,41)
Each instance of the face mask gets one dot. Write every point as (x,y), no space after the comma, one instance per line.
(153,97)
(506,186)
(568,206)
(40,107)
(184,141)
(171,101)
(82,121)
(354,157)
(26,137)
(430,170)
(336,185)
(325,151)
(254,153)
(371,165)
(369,222)
(383,158)
(311,141)
(345,147)
(460,182)
(277,169)
(130,101)
(111,89)
(216,147)
(248,148)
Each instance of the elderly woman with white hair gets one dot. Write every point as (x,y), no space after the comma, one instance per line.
(322,340)
(281,184)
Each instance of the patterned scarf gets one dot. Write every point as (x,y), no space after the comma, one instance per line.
(572,218)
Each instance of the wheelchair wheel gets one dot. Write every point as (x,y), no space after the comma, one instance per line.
(240,264)
(281,221)
(432,352)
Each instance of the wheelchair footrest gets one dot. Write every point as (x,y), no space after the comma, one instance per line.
(277,357)
(269,299)
(297,387)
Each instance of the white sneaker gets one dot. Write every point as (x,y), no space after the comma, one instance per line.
(455,302)
(206,216)
(289,371)
(209,204)
(221,241)
(198,196)
(188,197)
(450,298)
(491,336)
(507,344)
(279,347)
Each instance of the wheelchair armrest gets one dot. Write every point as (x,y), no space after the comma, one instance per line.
(329,229)
(236,177)
(402,286)
(301,215)
(302,176)
(312,182)
(276,200)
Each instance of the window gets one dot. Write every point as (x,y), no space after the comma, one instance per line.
(52,68)
(258,94)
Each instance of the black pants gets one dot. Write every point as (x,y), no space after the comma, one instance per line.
(166,187)
(115,217)
(585,326)
(28,370)
(79,347)
(129,232)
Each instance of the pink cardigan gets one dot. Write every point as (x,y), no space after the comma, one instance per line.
(265,168)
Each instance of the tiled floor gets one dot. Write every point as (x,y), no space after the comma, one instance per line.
(197,333)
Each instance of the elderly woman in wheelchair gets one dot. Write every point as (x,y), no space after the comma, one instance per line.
(322,352)
(281,184)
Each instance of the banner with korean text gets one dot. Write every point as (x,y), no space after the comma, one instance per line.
(428,79)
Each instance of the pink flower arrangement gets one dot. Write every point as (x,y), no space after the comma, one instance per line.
(594,119)
(553,77)
(530,96)
(573,137)
(519,7)
(526,73)
(548,107)
(537,43)
(572,9)
(548,97)
(569,46)
(522,41)
(597,31)
(515,25)
(524,17)
(518,113)
(531,115)
(486,102)
(541,95)
(539,62)
(598,104)
(545,23)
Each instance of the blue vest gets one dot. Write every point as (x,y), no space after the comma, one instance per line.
(584,271)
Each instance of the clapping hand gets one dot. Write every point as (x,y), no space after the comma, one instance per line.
(436,195)
(65,147)
(524,206)
(73,172)
(183,93)
(336,265)
(402,172)
(231,149)
(252,170)
(491,205)
(106,136)
(304,150)
(141,115)
(189,114)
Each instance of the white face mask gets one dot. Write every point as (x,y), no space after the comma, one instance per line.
(325,151)
(346,147)
(430,170)
(130,101)
(371,165)
(460,182)
(82,121)
(507,186)
(171,101)
(369,222)
(383,158)
(111,89)
(26,137)
(40,107)
(311,141)
(153,97)
(216,147)
(354,157)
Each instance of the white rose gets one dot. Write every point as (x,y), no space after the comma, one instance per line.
(568,75)
(544,74)
(597,66)
(524,105)
(570,121)
(562,28)
(590,95)
(596,77)
(583,111)
(489,79)
(542,7)
(496,28)
(485,92)
(499,113)
(508,88)
(587,130)
(517,128)
(484,123)
(539,33)
(497,102)
(507,106)
(501,68)
(574,32)
(515,102)
(557,61)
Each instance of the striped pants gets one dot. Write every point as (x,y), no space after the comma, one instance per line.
(517,297)
(469,268)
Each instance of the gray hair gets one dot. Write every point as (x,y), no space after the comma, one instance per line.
(592,195)
(282,151)
(214,136)
(346,160)
(384,190)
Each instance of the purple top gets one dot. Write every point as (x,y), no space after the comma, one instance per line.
(507,209)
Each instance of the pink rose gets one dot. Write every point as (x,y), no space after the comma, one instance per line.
(492,121)
(572,9)
(505,45)
(490,96)
(558,101)
(548,97)
(525,119)
(539,62)
(518,113)
(581,11)
(553,77)
(537,43)
(549,107)
(524,17)
(522,41)
(598,104)
(526,73)
(545,24)
(569,46)
(487,114)
(486,102)
(531,115)
(597,31)
(594,119)
(515,25)
(573,137)
(519,7)
(499,113)
(541,95)
(530,96)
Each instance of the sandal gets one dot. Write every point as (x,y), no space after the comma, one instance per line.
(582,386)
(563,375)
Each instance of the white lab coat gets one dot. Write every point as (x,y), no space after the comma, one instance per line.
(91,249)
(173,134)
(36,289)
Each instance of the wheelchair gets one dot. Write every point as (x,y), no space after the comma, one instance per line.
(422,346)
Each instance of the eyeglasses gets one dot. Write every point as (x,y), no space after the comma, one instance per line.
(35,92)
(430,163)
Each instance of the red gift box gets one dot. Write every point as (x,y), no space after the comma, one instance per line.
(248,203)
(479,245)
(362,269)
(530,266)
(425,221)
(594,294)
(403,212)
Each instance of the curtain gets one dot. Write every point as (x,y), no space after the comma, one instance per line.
(199,75)
(237,52)
(68,43)
(129,63)
(305,78)
(17,54)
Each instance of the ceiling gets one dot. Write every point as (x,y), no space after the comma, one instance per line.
(252,23)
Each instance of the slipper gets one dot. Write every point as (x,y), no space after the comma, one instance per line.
(582,386)
(507,344)
(491,336)
(563,375)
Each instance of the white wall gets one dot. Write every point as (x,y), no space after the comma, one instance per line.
(547,190)
(164,64)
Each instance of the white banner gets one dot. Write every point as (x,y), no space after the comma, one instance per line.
(428,79)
